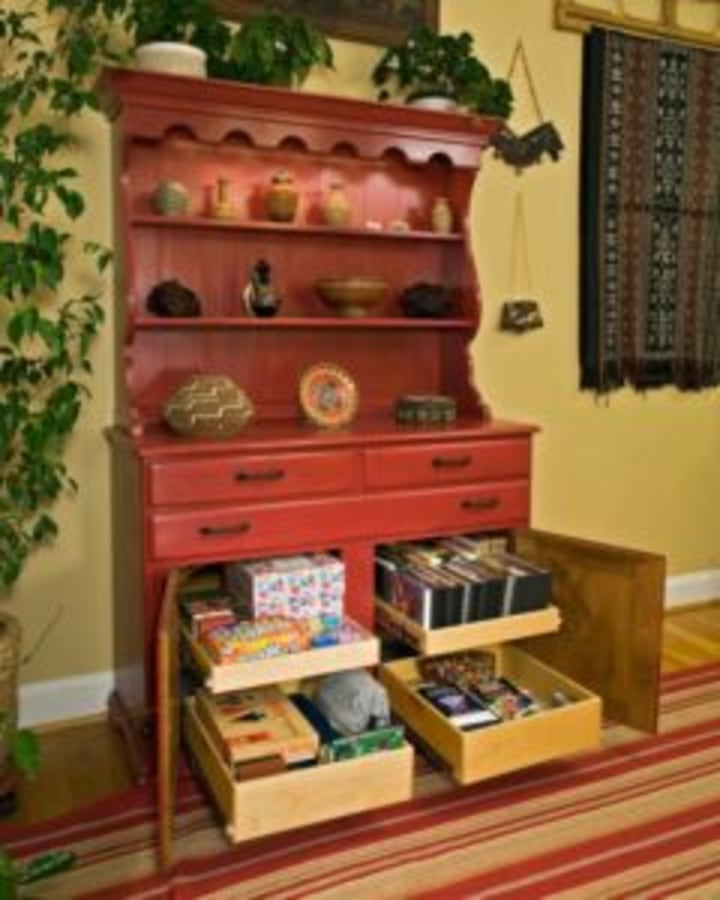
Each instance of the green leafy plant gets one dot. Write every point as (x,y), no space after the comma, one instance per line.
(431,64)
(193,22)
(46,329)
(275,49)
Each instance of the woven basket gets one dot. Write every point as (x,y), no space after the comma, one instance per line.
(10,641)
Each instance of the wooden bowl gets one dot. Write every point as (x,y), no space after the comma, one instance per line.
(352,297)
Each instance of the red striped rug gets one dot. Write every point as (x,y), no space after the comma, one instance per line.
(638,819)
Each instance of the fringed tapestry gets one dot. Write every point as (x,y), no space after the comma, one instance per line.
(650,216)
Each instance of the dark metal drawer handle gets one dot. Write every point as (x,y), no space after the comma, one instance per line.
(451,462)
(267,475)
(481,503)
(221,530)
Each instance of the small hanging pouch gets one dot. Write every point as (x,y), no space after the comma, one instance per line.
(521,313)
(523,150)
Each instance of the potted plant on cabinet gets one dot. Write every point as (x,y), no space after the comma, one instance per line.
(440,71)
(178,38)
(274,49)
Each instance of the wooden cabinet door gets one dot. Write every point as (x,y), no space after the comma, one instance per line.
(611,603)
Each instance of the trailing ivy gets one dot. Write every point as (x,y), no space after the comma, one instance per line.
(50,53)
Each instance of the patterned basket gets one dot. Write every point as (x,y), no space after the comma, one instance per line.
(208,406)
(10,642)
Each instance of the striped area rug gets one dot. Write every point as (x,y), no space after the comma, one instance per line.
(638,819)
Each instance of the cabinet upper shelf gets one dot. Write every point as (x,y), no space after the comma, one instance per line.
(292,230)
(155,323)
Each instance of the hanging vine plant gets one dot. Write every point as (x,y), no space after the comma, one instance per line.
(49,55)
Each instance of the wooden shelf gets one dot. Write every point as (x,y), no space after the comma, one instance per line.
(279,323)
(464,637)
(238,675)
(206,223)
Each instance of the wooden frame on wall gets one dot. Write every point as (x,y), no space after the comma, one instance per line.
(383,22)
(572,15)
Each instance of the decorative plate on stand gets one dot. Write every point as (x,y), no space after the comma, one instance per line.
(328,395)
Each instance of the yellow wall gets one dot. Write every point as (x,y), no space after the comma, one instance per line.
(641,470)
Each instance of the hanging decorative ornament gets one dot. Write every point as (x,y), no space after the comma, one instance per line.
(523,150)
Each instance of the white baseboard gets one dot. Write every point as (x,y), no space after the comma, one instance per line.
(85,695)
(64,699)
(683,590)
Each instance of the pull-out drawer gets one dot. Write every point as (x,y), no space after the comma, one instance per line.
(447,463)
(485,752)
(233,676)
(299,797)
(235,477)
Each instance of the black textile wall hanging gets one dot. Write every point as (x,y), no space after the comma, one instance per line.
(650,214)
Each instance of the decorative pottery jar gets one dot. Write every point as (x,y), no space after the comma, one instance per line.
(172,299)
(282,197)
(441,217)
(221,206)
(171,198)
(336,207)
(211,406)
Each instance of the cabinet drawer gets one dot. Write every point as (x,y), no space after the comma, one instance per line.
(490,751)
(229,478)
(447,463)
(454,509)
(303,796)
(224,532)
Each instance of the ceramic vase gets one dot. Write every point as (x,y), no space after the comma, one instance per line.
(441,217)
(221,206)
(282,198)
(171,198)
(336,206)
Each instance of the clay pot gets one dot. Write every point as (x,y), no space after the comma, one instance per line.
(336,206)
(282,198)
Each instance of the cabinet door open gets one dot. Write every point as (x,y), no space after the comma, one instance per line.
(611,603)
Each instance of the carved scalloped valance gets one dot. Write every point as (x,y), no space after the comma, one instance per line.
(215,111)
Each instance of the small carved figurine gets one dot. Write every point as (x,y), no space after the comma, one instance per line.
(259,296)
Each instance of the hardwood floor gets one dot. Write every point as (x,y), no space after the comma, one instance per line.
(85,762)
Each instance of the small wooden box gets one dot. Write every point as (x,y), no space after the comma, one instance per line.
(301,796)
(483,753)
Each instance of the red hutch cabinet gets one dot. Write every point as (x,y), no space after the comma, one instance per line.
(283,485)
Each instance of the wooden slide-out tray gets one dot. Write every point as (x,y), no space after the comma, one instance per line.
(321,661)
(485,752)
(432,642)
(299,797)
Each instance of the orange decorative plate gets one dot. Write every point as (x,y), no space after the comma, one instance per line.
(328,395)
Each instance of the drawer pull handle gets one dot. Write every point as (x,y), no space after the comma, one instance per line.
(267,475)
(481,503)
(222,530)
(451,462)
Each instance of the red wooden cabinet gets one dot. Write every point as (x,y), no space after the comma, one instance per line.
(284,485)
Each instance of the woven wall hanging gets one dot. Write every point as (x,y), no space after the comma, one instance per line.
(523,150)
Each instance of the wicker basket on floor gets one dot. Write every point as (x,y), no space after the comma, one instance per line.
(10,641)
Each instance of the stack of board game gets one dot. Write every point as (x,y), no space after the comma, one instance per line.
(259,725)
